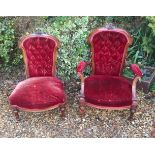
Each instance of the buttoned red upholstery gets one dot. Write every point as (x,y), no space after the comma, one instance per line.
(106,87)
(108,51)
(110,91)
(42,90)
(81,66)
(39,51)
(38,93)
(136,70)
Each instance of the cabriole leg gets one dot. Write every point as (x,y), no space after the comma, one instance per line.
(16,113)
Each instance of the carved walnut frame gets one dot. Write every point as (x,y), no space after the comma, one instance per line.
(135,80)
(57,45)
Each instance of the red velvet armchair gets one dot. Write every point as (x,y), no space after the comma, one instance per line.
(42,90)
(106,88)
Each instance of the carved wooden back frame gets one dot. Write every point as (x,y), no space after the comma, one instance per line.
(129,42)
(57,45)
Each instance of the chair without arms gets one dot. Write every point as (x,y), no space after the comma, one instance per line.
(106,88)
(42,90)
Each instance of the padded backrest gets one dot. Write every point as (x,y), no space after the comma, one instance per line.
(39,54)
(109,49)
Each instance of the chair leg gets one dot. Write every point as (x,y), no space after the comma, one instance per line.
(81,110)
(16,114)
(62,111)
(132,111)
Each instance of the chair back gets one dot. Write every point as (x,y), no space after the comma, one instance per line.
(109,49)
(39,52)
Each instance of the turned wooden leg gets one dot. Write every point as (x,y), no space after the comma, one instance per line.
(132,111)
(62,111)
(81,107)
(16,113)
(81,110)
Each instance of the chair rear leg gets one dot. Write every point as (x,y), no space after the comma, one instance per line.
(16,113)
(62,111)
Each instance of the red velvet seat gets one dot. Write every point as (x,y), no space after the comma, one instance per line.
(108,91)
(106,87)
(41,90)
(38,93)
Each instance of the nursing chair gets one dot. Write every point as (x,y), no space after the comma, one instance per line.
(42,90)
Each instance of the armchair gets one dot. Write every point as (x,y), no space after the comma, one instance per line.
(42,90)
(106,88)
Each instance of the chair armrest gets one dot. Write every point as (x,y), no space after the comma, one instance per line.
(136,70)
(80,69)
(138,74)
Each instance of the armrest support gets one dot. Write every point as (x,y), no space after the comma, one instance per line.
(134,84)
(80,69)
(138,74)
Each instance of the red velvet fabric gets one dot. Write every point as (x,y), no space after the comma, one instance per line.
(81,66)
(110,91)
(39,51)
(108,50)
(38,93)
(136,70)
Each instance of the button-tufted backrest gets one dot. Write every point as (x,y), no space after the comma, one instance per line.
(39,54)
(109,49)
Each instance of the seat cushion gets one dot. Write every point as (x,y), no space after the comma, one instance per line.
(108,91)
(38,93)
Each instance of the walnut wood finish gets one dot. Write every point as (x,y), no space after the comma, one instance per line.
(129,42)
(20,44)
(16,108)
(82,101)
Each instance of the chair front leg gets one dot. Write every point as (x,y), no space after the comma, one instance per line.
(134,97)
(133,109)
(81,106)
(81,110)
